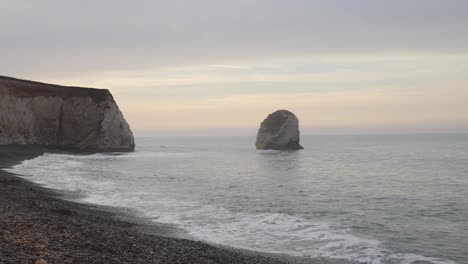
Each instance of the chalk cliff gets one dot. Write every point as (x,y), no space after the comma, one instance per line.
(279,131)
(58,116)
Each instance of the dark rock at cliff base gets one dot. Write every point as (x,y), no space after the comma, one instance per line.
(279,131)
(33,113)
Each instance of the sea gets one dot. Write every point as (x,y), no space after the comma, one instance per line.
(359,198)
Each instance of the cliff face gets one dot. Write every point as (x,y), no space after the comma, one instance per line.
(279,131)
(71,117)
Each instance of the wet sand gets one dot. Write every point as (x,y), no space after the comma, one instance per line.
(38,226)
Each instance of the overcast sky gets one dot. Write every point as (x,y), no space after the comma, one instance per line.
(202,67)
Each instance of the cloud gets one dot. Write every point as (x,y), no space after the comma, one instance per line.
(214,63)
(40,38)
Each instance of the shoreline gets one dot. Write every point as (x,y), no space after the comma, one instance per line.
(38,225)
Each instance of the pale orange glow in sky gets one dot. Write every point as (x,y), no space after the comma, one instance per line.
(418,94)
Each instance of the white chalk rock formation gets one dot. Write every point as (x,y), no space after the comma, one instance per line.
(33,113)
(279,131)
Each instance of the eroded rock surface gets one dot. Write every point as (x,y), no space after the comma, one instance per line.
(279,131)
(33,113)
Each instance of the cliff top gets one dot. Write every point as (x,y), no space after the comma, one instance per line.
(25,88)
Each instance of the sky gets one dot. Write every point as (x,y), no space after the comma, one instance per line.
(219,67)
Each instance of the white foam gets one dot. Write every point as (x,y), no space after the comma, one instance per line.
(266,232)
(277,233)
(62,172)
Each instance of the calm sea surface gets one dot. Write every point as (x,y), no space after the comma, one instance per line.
(373,199)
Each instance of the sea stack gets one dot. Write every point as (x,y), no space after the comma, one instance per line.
(84,119)
(279,131)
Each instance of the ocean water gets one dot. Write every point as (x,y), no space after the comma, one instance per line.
(370,199)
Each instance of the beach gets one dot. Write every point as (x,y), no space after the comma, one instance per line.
(38,226)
